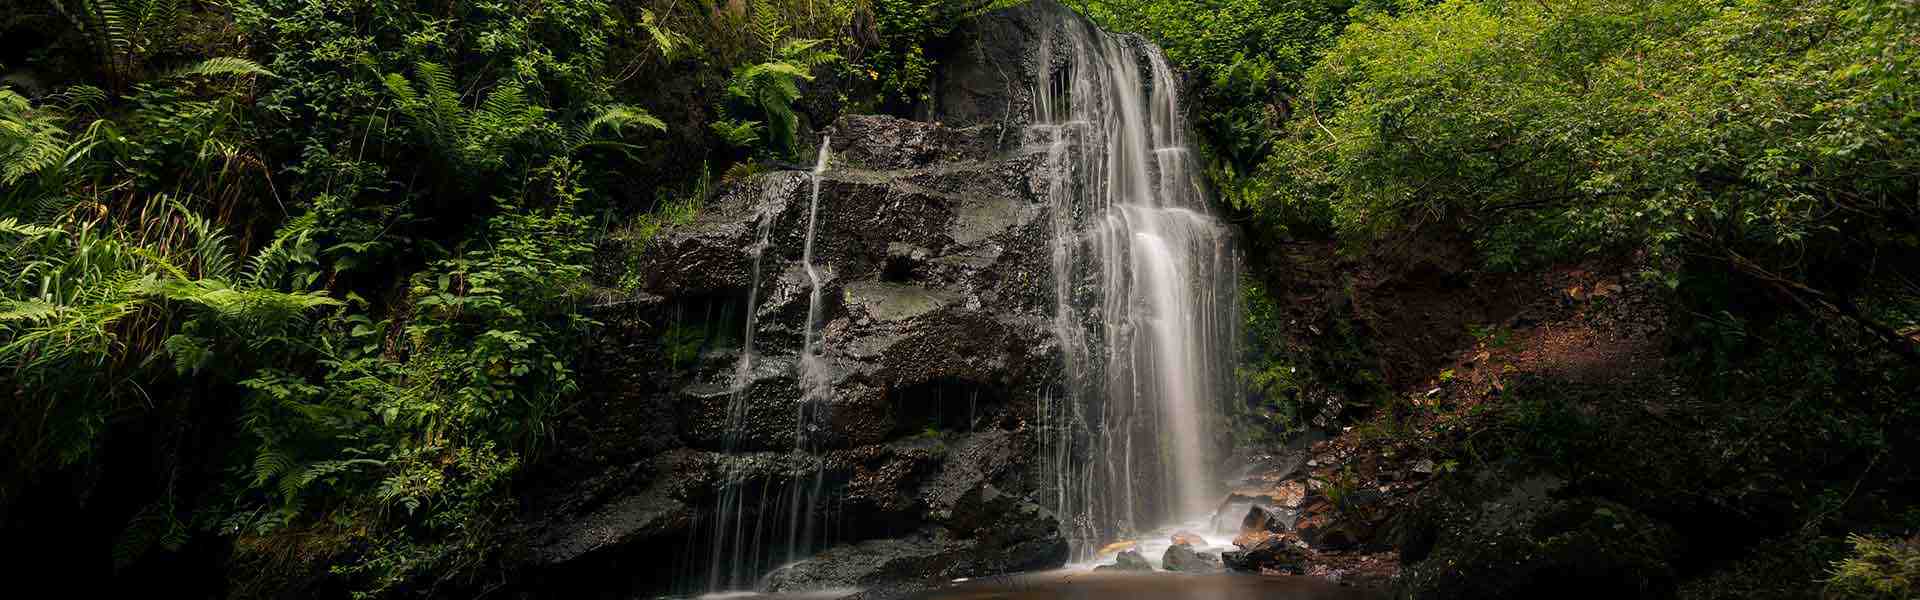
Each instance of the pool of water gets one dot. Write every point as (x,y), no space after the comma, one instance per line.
(1153,545)
(1104,585)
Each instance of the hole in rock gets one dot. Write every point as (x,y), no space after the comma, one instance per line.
(899,268)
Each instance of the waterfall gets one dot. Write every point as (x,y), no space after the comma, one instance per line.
(740,536)
(815,381)
(1144,291)
(729,525)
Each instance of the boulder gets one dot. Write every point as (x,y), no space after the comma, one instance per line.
(1525,544)
(1187,538)
(1008,535)
(1261,518)
(1183,558)
(1324,527)
(1130,560)
(1274,554)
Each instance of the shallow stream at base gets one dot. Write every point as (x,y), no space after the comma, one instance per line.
(1077,584)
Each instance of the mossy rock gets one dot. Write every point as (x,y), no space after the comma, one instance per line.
(1525,546)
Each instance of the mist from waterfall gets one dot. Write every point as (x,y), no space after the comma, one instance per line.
(1144,291)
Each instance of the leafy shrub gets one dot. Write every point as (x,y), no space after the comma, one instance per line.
(1878,568)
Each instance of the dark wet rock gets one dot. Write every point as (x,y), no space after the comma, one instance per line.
(1183,558)
(1129,560)
(1270,554)
(1527,544)
(1026,538)
(1275,520)
(887,143)
(1332,530)
(980,83)
(650,514)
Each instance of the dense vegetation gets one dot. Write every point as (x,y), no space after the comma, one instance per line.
(351,241)
(321,266)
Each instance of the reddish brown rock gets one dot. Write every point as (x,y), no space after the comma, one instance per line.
(1188,538)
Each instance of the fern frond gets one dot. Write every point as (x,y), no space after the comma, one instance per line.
(210,245)
(189,352)
(442,101)
(619,116)
(267,263)
(28,232)
(220,66)
(737,133)
(269,464)
(74,98)
(666,40)
(31,139)
(29,311)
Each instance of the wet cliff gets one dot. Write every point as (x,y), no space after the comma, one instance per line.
(853,375)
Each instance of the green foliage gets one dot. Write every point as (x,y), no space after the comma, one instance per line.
(1250,57)
(1878,568)
(434,421)
(1757,135)
(474,141)
(771,88)
(209,221)
(1275,386)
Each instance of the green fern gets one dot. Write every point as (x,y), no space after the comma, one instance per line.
(667,41)
(222,66)
(774,86)
(290,245)
(31,139)
(474,141)
(736,133)
(611,121)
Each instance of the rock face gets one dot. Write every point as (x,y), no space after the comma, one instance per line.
(717,444)
(1000,535)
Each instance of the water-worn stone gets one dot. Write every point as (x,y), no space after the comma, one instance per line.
(1187,538)
(1273,554)
(1183,558)
(1262,518)
(1129,560)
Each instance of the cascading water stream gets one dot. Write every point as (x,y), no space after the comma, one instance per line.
(739,553)
(1144,278)
(814,378)
(729,536)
